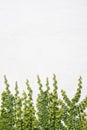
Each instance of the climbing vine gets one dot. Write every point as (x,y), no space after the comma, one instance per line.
(51,113)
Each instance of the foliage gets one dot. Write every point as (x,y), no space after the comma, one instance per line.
(52,113)
(29,118)
(18,109)
(7,109)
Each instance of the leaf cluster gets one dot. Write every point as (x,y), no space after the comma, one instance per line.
(51,113)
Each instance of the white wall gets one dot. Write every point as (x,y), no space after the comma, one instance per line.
(43,37)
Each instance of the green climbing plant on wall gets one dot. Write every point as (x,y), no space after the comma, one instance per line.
(51,112)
